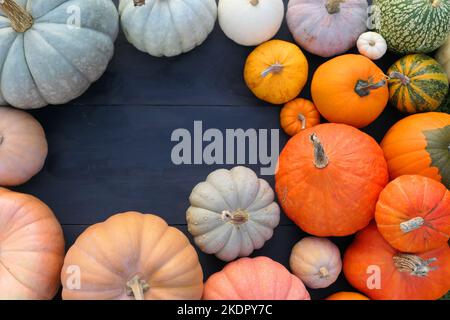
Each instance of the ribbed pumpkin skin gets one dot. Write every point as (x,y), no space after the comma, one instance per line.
(369,251)
(413,26)
(426,87)
(347,296)
(111,253)
(339,199)
(258,278)
(298,115)
(418,144)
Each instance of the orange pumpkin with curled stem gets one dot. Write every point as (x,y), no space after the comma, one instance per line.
(298,115)
(347,296)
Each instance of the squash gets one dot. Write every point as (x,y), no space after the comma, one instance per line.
(329,178)
(276,71)
(413,26)
(316,261)
(258,278)
(298,115)
(413,214)
(31,248)
(417,83)
(132,256)
(376,269)
(327,27)
(445,106)
(167,27)
(23,147)
(250,22)
(372,45)
(232,213)
(350,89)
(52,51)
(347,296)
(443,56)
(418,144)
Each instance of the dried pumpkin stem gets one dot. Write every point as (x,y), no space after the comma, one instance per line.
(320,157)
(236,217)
(436,3)
(302,118)
(414,265)
(138,3)
(412,224)
(254,2)
(400,76)
(136,288)
(323,272)
(334,6)
(21,20)
(363,88)
(274,69)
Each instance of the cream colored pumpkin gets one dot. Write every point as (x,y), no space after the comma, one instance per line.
(443,56)
(23,147)
(372,45)
(167,27)
(316,261)
(250,22)
(232,213)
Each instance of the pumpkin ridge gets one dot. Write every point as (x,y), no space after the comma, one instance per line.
(2,264)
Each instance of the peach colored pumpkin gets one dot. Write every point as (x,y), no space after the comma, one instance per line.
(31,248)
(258,278)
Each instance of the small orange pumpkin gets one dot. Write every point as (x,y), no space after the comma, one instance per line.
(276,71)
(350,89)
(298,115)
(413,214)
(347,296)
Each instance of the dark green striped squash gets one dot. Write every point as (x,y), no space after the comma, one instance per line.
(413,26)
(418,83)
(445,106)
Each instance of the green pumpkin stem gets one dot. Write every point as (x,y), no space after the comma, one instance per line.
(414,265)
(363,88)
(136,288)
(405,80)
(21,20)
(320,157)
(334,6)
(412,224)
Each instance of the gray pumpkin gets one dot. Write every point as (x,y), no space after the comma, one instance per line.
(51,51)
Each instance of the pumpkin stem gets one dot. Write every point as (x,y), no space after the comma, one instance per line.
(334,6)
(323,272)
(412,224)
(275,69)
(400,76)
(436,3)
(139,3)
(414,265)
(21,20)
(302,118)
(237,217)
(254,2)
(320,157)
(136,288)
(363,88)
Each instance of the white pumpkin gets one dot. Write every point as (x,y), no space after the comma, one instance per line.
(167,27)
(52,50)
(327,27)
(316,261)
(372,45)
(250,22)
(443,56)
(232,213)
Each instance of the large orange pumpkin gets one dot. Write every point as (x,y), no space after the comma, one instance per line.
(381,272)
(132,256)
(258,278)
(276,71)
(31,248)
(329,178)
(419,144)
(347,296)
(350,89)
(298,115)
(413,214)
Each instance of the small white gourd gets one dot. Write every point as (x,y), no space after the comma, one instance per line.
(372,45)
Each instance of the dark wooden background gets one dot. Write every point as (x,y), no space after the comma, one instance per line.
(109,150)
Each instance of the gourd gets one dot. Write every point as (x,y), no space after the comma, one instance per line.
(329,178)
(23,147)
(350,89)
(316,261)
(32,248)
(418,144)
(379,271)
(443,56)
(276,71)
(372,45)
(327,27)
(413,214)
(232,213)
(418,83)
(298,115)
(258,278)
(53,50)
(445,106)
(132,256)
(413,26)
(347,296)
(167,27)
(250,22)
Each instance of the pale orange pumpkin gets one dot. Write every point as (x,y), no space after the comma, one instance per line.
(132,256)
(258,278)
(347,296)
(23,147)
(276,71)
(31,248)
(298,115)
